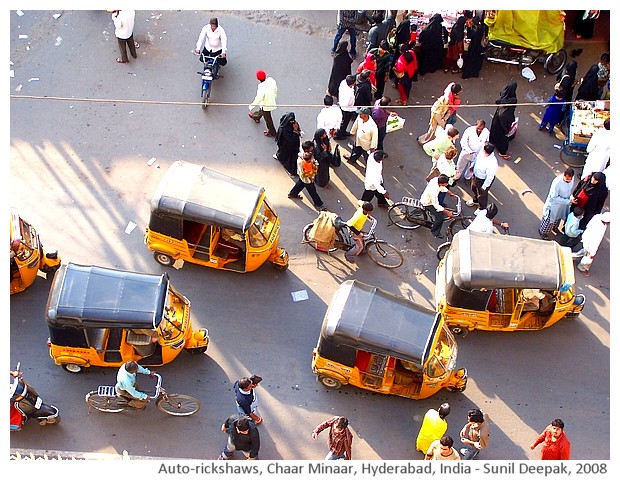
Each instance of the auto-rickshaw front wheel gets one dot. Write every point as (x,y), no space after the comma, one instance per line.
(163,259)
(456,389)
(459,331)
(330,382)
(196,351)
(73,367)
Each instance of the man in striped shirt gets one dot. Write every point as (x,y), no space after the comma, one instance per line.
(339,440)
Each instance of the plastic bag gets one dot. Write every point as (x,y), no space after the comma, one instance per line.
(394,123)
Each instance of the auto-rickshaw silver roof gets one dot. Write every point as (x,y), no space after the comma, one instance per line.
(197,193)
(91,296)
(371,319)
(486,261)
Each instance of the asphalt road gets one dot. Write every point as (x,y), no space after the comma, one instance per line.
(79,173)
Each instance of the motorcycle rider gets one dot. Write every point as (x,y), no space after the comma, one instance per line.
(355,224)
(126,384)
(212,42)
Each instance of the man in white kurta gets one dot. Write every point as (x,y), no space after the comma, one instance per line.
(599,150)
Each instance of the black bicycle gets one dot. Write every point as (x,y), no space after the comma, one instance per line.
(410,214)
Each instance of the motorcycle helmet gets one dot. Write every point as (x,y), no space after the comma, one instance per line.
(444,410)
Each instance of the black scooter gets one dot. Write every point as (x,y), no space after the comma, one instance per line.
(26,403)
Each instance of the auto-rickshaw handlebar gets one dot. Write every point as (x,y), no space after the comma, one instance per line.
(157,387)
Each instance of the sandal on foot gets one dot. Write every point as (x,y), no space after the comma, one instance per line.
(295,197)
(137,44)
(118,60)
(256,120)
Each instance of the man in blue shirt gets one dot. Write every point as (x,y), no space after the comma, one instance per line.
(126,384)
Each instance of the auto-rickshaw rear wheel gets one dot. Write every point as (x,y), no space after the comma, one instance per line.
(279,267)
(73,367)
(330,382)
(459,331)
(163,259)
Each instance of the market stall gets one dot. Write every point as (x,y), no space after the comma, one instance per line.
(584,119)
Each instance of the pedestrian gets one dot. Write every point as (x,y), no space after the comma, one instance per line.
(456,44)
(346,101)
(484,170)
(123,29)
(453,92)
(603,73)
(339,440)
(355,224)
(324,158)
(373,180)
(439,115)
(432,39)
(345,22)
(242,435)
(557,204)
(591,239)
(474,434)
(472,141)
(590,194)
(382,26)
(583,25)
(442,450)
(245,397)
(307,168)
(503,119)
(477,33)
(444,138)
(599,150)
(330,117)
(288,139)
(430,200)
(265,102)
(383,60)
(212,42)
(556,106)
(366,135)
(446,166)
(567,79)
(555,443)
(341,67)
(380,115)
(588,89)
(571,235)
(406,68)
(485,221)
(363,90)
(369,63)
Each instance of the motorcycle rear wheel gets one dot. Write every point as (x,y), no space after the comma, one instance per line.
(555,62)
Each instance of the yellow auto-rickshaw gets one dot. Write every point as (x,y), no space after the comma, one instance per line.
(27,256)
(507,283)
(208,218)
(103,317)
(378,341)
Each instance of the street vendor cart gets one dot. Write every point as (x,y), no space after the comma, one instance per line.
(579,126)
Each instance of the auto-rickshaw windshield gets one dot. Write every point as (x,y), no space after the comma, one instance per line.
(443,358)
(263,225)
(28,234)
(171,324)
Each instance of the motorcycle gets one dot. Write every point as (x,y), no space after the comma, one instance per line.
(504,52)
(211,69)
(26,404)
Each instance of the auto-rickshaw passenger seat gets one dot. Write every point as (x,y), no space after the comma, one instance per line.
(98,338)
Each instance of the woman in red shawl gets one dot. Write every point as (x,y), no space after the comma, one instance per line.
(406,65)
(369,63)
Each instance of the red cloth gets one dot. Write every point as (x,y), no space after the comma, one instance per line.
(558,450)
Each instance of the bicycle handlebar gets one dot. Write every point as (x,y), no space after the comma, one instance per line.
(157,387)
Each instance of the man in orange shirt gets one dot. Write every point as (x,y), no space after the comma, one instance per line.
(556,445)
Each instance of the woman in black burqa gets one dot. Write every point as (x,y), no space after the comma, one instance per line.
(341,67)
(432,40)
(474,57)
(588,90)
(288,139)
(503,119)
(323,155)
(590,194)
(567,79)
(456,44)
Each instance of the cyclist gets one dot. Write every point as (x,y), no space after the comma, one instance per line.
(126,384)
(355,224)
(485,220)
(430,201)
(212,42)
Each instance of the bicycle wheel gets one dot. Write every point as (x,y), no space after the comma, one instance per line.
(384,254)
(442,249)
(178,405)
(406,216)
(312,243)
(105,404)
(456,225)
